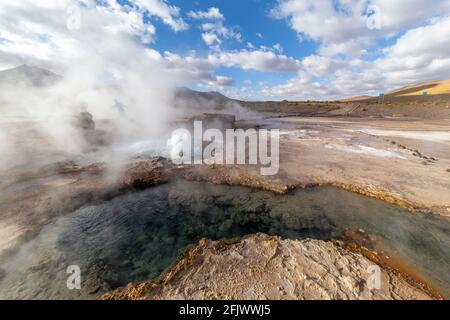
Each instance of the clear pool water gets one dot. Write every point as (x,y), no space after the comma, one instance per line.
(137,236)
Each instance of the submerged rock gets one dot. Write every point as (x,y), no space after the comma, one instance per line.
(265,267)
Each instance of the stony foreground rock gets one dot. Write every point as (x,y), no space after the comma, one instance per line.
(265,267)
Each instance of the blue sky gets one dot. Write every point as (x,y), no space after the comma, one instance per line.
(277,26)
(250,17)
(248,49)
(253,20)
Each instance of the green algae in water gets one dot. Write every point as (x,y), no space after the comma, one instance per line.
(137,236)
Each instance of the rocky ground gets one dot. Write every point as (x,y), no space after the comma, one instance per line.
(265,267)
(407,107)
(402,161)
(33,199)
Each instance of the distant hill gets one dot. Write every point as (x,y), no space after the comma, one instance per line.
(439,88)
(27,75)
(196,102)
(186,95)
(356,99)
(432,88)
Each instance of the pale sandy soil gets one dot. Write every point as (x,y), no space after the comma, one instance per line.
(405,162)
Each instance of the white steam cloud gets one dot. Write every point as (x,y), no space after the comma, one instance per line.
(99,55)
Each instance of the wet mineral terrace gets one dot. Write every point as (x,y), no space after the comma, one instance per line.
(135,237)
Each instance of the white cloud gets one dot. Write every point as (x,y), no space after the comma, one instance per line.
(192,68)
(319,66)
(221,81)
(169,14)
(322,20)
(341,25)
(211,14)
(400,14)
(216,31)
(211,38)
(300,87)
(352,48)
(337,69)
(420,54)
(265,61)
(278,47)
(188,68)
(27,37)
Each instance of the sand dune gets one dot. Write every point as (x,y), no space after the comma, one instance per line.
(432,88)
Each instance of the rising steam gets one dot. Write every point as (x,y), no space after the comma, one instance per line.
(99,69)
